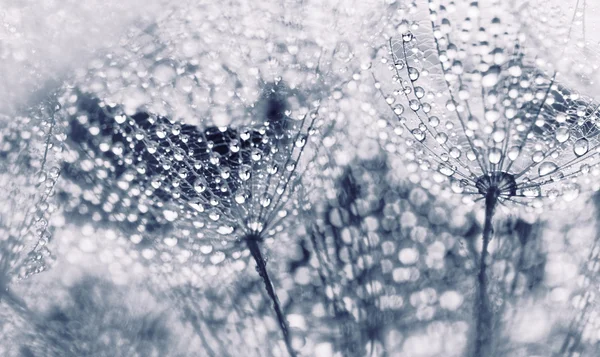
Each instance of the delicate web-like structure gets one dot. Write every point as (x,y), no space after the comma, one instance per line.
(564,34)
(194,151)
(30,148)
(492,123)
(388,263)
(499,121)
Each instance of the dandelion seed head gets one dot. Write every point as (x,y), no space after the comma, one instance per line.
(495,121)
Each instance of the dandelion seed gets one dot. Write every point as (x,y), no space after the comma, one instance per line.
(526,140)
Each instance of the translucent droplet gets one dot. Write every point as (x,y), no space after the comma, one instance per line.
(441,138)
(538,156)
(418,134)
(562,134)
(301,141)
(547,168)
(491,76)
(225,230)
(571,192)
(434,121)
(170,215)
(398,109)
(407,36)
(446,170)
(413,73)
(581,147)
(199,185)
(265,200)
(414,104)
(245,172)
(495,155)
(533,191)
(514,152)
(120,119)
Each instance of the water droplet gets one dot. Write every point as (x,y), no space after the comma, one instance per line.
(407,36)
(491,76)
(533,191)
(562,134)
(441,138)
(547,168)
(434,121)
(495,155)
(514,152)
(446,170)
(418,134)
(120,119)
(170,215)
(199,185)
(225,230)
(414,104)
(413,73)
(538,156)
(581,147)
(570,192)
(301,141)
(265,200)
(245,172)
(398,109)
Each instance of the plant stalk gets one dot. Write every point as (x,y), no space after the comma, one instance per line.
(261,264)
(483,309)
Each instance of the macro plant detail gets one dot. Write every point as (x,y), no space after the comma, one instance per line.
(31,146)
(497,128)
(299,178)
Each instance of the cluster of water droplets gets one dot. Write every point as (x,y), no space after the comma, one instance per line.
(30,152)
(385,256)
(472,108)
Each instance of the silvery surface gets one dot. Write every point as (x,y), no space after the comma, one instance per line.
(302,178)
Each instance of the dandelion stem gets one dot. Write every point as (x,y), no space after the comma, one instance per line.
(483,309)
(252,243)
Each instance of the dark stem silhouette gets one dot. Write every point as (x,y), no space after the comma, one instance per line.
(252,243)
(483,309)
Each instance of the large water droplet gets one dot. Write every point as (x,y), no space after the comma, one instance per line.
(418,134)
(413,73)
(199,185)
(225,230)
(562,134)
(170,215)
(581,147)
(491,76)
(495,155)
(446,170)
(547,168)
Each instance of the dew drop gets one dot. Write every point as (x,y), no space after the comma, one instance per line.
(441,138)
(562,134)
(199,185)
(495,155)
(513,153)
(245,172)
(225,230)
(301,141)
(434,121)
(491,76)
(446,170)
(418,134)
(398,109)
(414,104)
(413,73)
(581,147)
(170,215)
(547,168)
